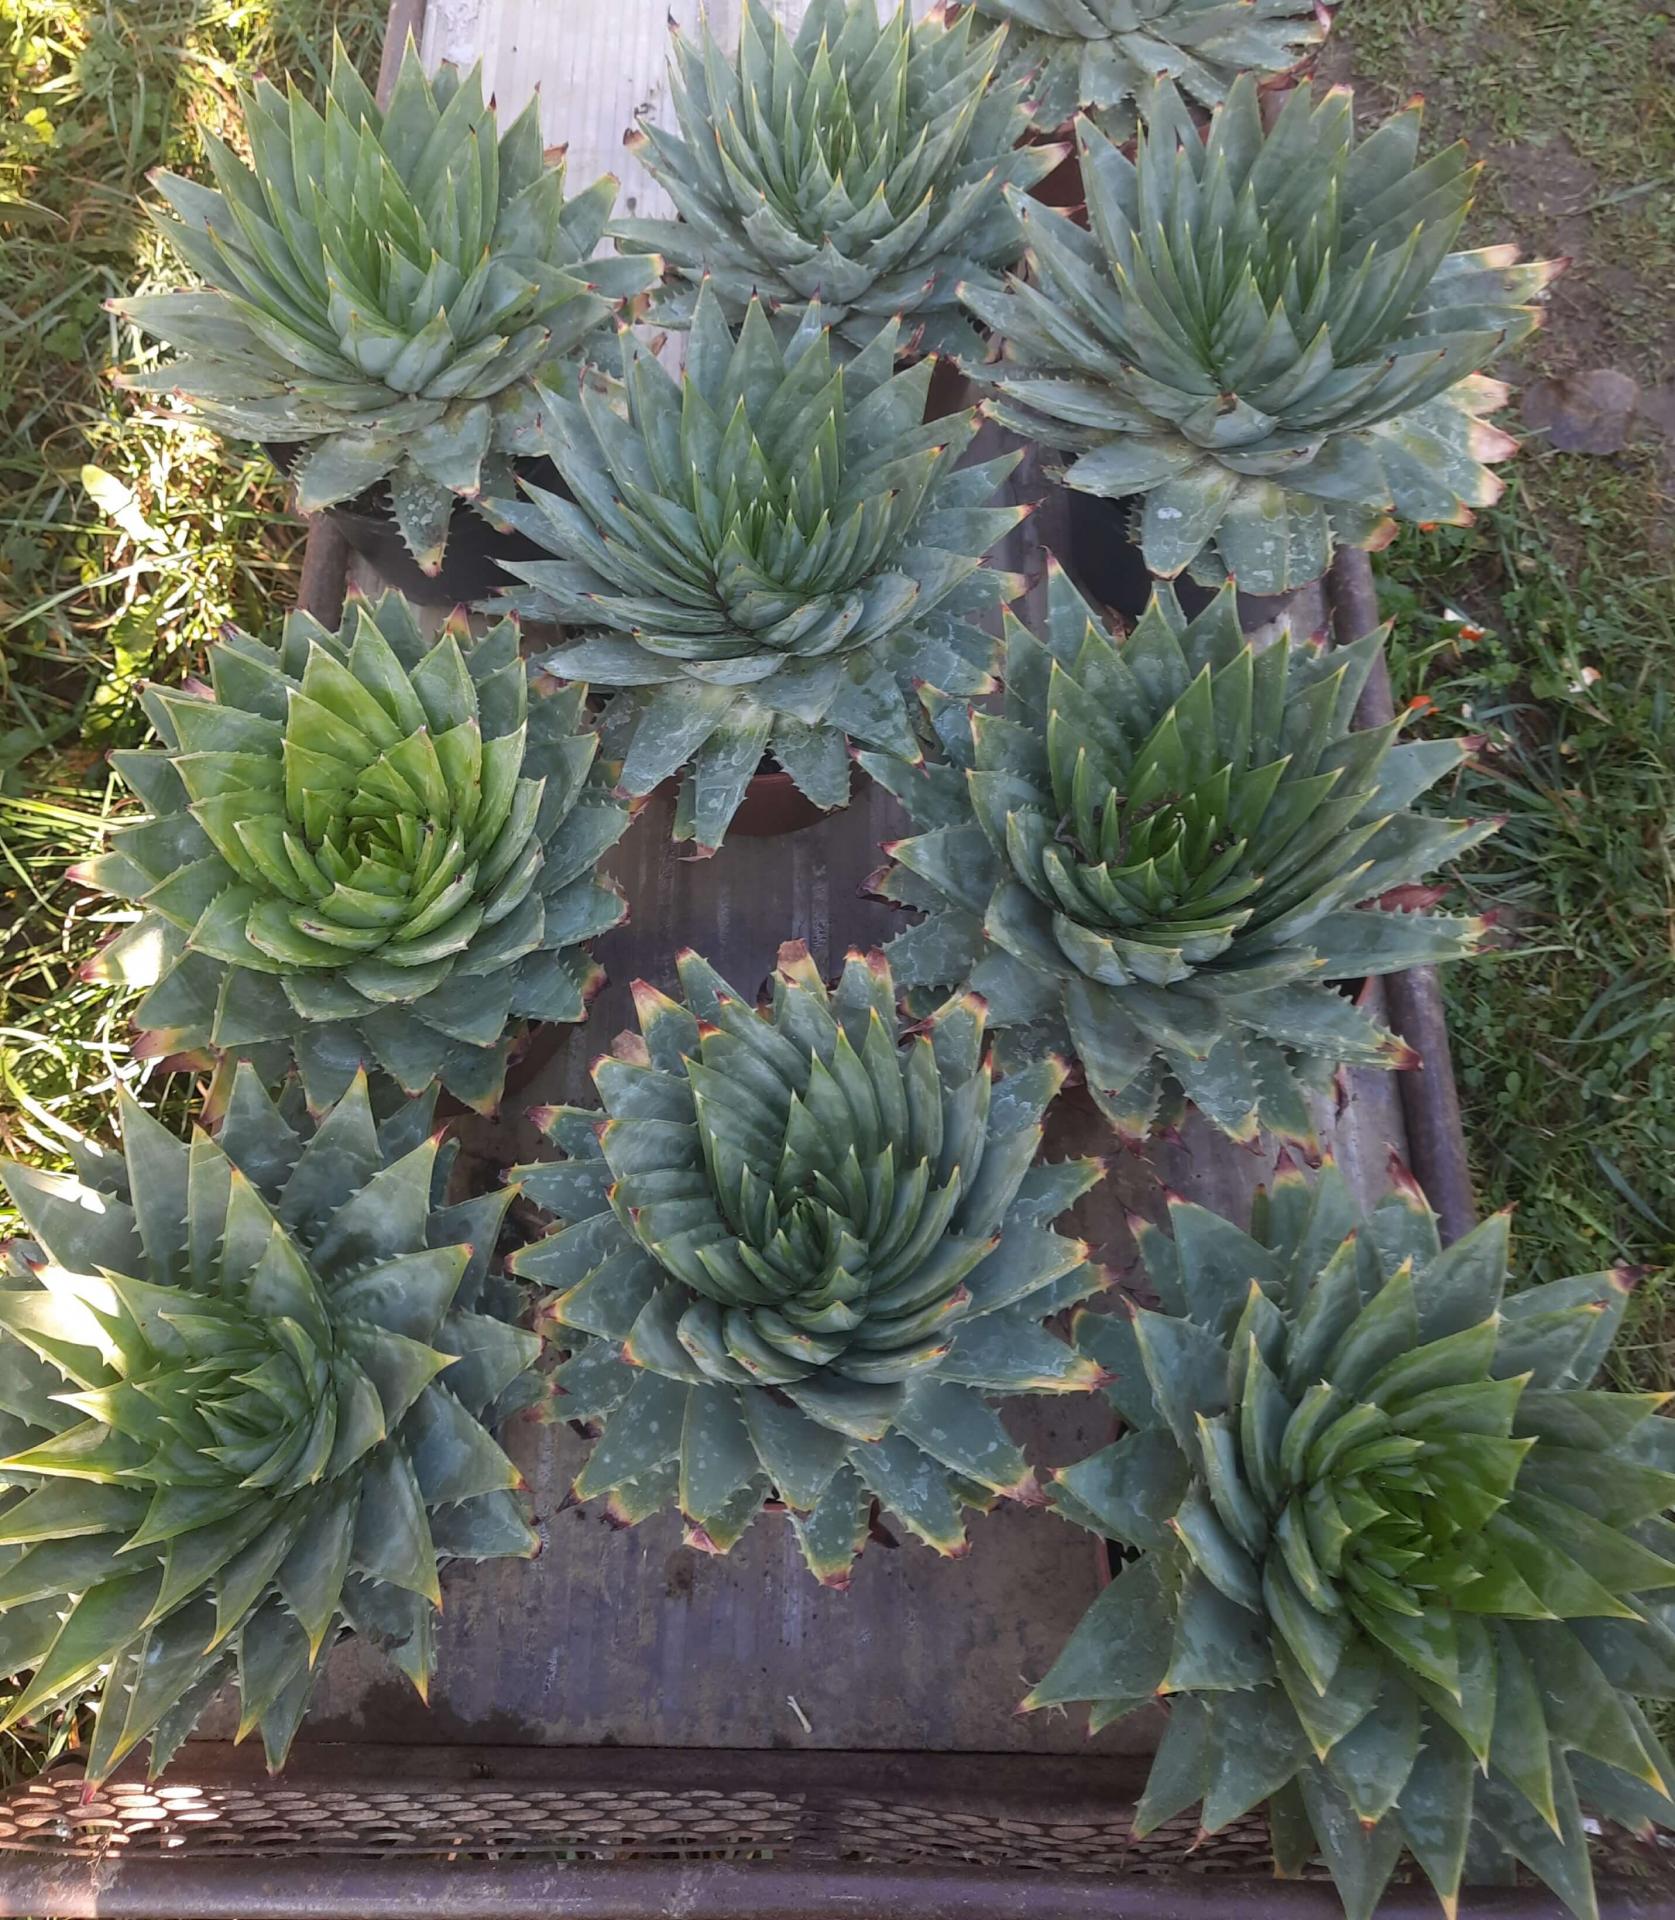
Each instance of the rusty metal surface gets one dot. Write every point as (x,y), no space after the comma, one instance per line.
(1431,1100)
(630,1637)
(720,1890)
(325,567)
(406,19)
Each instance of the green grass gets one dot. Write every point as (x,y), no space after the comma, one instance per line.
(1565,1042)
(125,543)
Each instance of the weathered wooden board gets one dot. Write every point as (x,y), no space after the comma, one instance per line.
(598,65)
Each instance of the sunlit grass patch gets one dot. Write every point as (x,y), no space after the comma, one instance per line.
(126,541)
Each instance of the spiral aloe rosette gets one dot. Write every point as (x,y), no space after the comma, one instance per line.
(1402,1568)
(362,848)
(800,1251)
(383,285)
(247,1392)
(1265,335)
(1162,853)
(770,551)
(859,164)
(1102,57)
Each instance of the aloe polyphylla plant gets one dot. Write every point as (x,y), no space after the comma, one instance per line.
(769,552)
(1402,1565)
(381,286)
(362,848)
(1266,335)
(800,1250)
(1103,56)
(859,164)
(247,1392)
(1162,853)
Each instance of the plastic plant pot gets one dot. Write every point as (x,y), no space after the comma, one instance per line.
(470,569)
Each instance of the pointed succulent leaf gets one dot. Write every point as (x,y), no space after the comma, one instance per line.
(1394,1585)
(762,557)
(1157,838)
(389,851)
(860,162)
(376,280)
(1263,333)
(252,1433)
(1102,56)
(786,1284)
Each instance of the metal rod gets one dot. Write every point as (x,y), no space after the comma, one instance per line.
(328,1888)
(323,1869)
(1430,1099)
(325,571)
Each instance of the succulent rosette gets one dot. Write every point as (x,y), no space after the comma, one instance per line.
(762,557)
(1402,1565)
(363,848)
(1102,57)
(800,1250)
(248,1388)
(381,286)
(1162,854)
(1266,336)
(859,164)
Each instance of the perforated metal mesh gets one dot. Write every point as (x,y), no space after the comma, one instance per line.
(886,1833)
(495,1821)
(490,1822)
(254,1819)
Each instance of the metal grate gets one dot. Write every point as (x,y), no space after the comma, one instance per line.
(491,1821)
(426,1822)
(891,1834)
(882,1833)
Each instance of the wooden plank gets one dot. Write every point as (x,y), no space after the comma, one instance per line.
(597,64)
